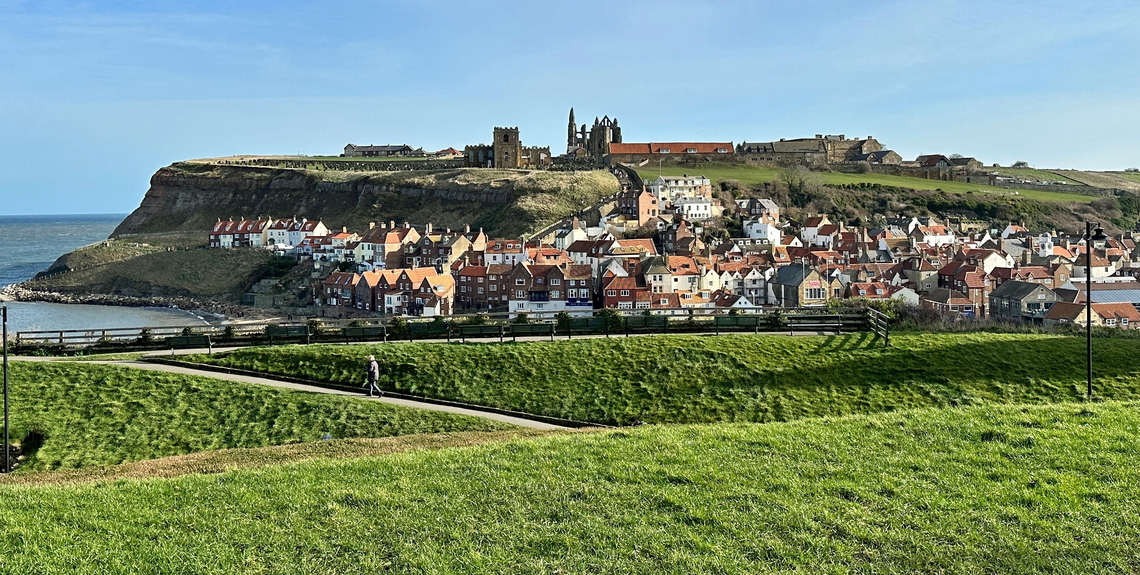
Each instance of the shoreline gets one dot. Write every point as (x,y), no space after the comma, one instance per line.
(222,312)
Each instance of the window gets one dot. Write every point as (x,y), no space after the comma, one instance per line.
(520,281)
(479,291)
(1110,322)
(556,294)
(663,151)
(1124,321)
(690,150)
(556,281)
(624,292)
(1040,296)
(722,150)
(538,281)
(613,292)
(494,287)
(815,293)
(664,301)
(519,293)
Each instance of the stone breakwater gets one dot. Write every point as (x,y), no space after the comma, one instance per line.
(17,292)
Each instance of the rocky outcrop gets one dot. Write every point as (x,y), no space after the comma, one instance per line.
(16,292)
(193,195)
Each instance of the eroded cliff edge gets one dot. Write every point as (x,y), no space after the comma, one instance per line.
(189,196)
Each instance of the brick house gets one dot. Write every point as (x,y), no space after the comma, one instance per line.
(622,292)
(550,288)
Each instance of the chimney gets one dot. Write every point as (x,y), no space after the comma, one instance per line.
(447,231)
(344,229)
(427,230)
(371,225)
(466,228)
(392,224)
(406,225)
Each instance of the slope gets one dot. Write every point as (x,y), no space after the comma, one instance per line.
(997,489)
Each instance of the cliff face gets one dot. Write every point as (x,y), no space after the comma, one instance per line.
(192,196)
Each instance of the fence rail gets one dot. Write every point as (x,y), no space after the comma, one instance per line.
(497,326)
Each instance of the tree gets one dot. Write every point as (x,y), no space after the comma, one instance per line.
(800,180)
(955,156)
(1021,164)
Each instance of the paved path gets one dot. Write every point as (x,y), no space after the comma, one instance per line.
(519,421)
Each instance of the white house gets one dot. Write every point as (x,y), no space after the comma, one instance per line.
(762,228)
(695,209)
(669,189)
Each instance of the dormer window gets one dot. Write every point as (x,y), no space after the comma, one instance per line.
(663,151)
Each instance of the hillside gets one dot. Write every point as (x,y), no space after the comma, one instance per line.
(997,489)
(118,268)
(859,198)
(705,379)
(193,195)
(83,415)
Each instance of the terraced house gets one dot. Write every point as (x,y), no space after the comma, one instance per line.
(550,288)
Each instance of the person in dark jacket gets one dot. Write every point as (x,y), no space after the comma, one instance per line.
(373,378)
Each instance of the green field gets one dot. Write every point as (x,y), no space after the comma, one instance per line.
(758,174)
(101,415)
(1135,177)
(982,490)
(699,379)
(1031,173)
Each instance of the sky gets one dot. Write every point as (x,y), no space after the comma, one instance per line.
(96,96)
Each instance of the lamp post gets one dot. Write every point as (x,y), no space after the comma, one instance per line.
(7,443)
(1090,240)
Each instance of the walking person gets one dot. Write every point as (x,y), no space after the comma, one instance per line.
(373,378)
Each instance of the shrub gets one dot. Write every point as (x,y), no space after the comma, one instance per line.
(521,319)
(144,336)
(613,317)
(398,326)
(316,326)
(477,319)
(228,333)
(187,331)
(562,320)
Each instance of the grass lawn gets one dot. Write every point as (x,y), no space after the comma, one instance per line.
(700,379)
(102,415)
(997,490)
(758,174)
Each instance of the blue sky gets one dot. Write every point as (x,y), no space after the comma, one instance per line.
(95,96)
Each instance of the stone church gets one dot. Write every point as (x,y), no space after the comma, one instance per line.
(506,151)
(593,143)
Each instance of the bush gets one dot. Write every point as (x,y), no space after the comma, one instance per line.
(477,319)
(228,334)
(144,336)
(562,320)
(521,319)
(613,317)
(398,326)
(776,320)
(187,331)
(316,326)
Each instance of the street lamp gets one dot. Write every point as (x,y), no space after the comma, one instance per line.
(7,443)
(1091,239)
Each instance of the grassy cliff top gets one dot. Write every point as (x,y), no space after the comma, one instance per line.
(999,489)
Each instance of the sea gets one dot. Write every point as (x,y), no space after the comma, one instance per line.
(29,244)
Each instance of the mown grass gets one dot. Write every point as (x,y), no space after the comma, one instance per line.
(983,490)
(101,415)
(698,379)
(760,174)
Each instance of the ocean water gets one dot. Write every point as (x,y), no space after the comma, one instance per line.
(29,244)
